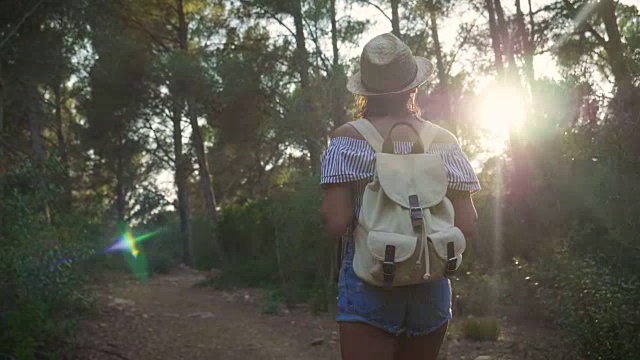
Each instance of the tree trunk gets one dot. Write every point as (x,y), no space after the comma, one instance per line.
(62,145)
(338,112)
(526,45)
(532,32)
(182,165)
(205,183)
(615,48)
(203,168)
(2,95)
(302,55)
(37,151)
(495,38)
(314,136)
(442,75)
(181,177)
(121,201)
(503,30)
(395,18)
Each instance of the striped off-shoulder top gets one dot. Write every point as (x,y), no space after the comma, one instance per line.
(349,160)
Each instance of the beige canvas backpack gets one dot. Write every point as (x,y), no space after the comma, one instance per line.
(405,233)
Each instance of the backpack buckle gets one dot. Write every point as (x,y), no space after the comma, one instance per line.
(389,265)
(415,211)
(451,266)
(417,216)
(452,263)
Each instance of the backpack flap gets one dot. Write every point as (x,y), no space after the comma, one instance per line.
(405,245)
(449,245)
(402,176)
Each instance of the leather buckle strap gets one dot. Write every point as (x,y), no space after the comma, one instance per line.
(452,261)
(389,265)
(416,212)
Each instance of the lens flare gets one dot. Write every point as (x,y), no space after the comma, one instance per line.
(128,245)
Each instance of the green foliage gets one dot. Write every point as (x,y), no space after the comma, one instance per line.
(103,87)
(599,308)
(248,273)
(277,241)
(43,271)
(481,329)
(479,295)
(303,250)
(164,248)
(321,298)
(274,302)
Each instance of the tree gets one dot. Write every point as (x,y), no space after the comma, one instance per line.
(166,24)
(338,76)
(440,66)
(494,33)
(191,96)
(119,94)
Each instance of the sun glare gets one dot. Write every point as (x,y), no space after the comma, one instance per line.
(500,111)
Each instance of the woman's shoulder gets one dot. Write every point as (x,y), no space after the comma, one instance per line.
(443,136)
(346,131)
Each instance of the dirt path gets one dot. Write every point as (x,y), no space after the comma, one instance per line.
(168,319)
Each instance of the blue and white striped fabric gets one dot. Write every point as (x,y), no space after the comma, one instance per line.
(349,160)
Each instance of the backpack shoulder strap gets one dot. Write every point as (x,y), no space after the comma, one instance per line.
(428,132)
(369,133)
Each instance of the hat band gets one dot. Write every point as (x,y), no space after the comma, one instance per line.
(381,86)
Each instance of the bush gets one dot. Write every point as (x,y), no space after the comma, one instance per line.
(43,268)
(598,308)
(481,329)
(246,274)
(480,295)
(164,248)
(274,302)
(278,241)
(304,251)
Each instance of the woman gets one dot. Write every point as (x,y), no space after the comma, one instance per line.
(405,322)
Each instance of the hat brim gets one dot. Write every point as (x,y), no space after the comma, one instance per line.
(425,72)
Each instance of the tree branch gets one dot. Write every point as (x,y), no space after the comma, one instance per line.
(377,7)
(275,17)
(601,40)
(15,28)
(166,157)
(316,41)
(155,39)
(462,44)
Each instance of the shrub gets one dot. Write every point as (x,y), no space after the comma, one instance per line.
(164,248)
(481,329)
(479,295)
(274,302)
(277,241)
(598,308)
(43,267)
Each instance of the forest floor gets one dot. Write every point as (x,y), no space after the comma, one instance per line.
(167,318)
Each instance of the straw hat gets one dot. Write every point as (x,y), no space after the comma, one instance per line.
(387,66)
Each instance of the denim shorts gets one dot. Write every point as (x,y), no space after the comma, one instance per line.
(409,310)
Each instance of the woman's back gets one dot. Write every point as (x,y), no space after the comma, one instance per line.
(405,322)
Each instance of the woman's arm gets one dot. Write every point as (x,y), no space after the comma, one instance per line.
(337,210)
(465,211)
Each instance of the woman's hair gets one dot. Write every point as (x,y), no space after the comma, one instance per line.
(385,105)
